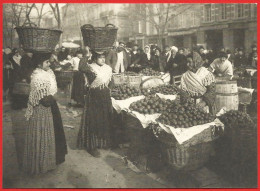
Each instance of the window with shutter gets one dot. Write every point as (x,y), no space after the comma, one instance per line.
(207,13)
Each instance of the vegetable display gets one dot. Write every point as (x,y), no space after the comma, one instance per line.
(124,91)
(184,116)
(236,119)
(150,105)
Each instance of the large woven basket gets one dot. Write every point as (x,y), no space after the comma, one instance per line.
(99,38)
(186,158)
(38,39)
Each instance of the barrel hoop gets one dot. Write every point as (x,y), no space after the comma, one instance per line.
(227,94)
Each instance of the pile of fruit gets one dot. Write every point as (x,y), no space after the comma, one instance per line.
(150,105)
(184,116)
(236,119)
(185,97)
(124,91)
(165,89)
(150,72)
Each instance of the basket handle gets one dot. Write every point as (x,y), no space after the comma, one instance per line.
(29,24)
(88,26)
(107,25)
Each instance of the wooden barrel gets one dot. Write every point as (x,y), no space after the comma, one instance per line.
(227,95)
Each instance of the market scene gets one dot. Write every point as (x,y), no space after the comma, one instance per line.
(129,95)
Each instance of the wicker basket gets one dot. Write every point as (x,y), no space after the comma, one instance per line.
(38,39)
(186,158)
(21,88)
(119,79)
(99,38)
(134,80)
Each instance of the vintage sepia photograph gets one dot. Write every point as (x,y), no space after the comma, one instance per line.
(127,95)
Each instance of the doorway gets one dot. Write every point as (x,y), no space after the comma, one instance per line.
(239,38)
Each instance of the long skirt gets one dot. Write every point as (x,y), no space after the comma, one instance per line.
(39,152)
(60,140)
(78,87)
(96,124)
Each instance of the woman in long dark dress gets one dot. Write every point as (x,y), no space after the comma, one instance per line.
(45,144)
(95,130)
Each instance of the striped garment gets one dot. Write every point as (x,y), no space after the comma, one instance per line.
(39,152)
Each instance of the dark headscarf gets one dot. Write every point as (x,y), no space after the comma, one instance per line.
(194,61)
(39,58)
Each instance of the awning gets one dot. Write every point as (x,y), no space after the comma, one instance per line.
(178,33)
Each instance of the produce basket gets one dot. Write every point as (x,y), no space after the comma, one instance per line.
(21,88)
(134,80)
(38,39)
(99,38)
(119,79)
(186,158)
(190,155)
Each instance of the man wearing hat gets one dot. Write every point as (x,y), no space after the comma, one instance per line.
(240,59)
(27,65)
(135,58)
(117,59)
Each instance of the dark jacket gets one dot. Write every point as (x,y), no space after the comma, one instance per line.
(135,58)
(27,68)
(145,62)
(240,60)
(181,61)
(111,59)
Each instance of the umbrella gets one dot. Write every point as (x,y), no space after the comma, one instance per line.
(70,45)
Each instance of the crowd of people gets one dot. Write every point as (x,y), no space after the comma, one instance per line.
(46,147)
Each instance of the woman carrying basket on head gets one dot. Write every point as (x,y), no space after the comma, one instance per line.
(95,130)
(199,83)
(45,144)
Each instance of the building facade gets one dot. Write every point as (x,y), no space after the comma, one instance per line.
(228,25)
(210,25)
